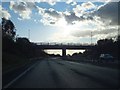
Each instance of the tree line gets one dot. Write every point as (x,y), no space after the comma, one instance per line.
(103,46)
(18,46)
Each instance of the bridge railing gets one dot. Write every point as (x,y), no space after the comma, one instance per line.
(68,44)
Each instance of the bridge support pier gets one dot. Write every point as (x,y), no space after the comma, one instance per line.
(64,52)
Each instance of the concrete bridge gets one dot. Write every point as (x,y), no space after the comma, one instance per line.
(63,46)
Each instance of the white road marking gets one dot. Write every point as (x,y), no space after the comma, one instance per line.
(15,79)
(73,62)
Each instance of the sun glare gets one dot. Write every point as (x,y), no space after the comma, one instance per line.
(63,27)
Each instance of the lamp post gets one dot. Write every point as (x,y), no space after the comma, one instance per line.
(91,47)
(91,37)
(118,31)
(29,34)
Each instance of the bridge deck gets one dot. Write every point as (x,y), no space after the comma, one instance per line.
(63,46)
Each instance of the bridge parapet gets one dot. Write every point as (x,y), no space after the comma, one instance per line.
(64,44)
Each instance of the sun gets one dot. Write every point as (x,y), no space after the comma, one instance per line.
(62,22)
(63,27)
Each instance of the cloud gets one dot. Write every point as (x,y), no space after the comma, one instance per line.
(84,8)
(4,13)
(88,5)
(85,18)
(69,1)
(24,9)
(108,13)
(67,13)
(104,21)
(41,11)
(62,37)
(105,0)
(49,16)
(72,17)
(78,10)
(74,3)
(82,30)
(105,32)
(50,2)
(53,13)
(52,17)
(85,33)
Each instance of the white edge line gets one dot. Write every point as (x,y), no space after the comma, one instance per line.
(10,83)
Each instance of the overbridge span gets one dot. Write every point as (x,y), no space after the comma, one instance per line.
(70,46)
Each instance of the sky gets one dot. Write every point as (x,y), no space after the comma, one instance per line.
(69,21)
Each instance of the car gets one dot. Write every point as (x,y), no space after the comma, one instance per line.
(106,58)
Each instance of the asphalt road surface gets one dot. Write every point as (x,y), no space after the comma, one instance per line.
(54,73)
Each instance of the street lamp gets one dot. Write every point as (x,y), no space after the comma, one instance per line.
(91,37)
(29,34)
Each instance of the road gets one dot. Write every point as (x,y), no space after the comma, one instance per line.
(54,73)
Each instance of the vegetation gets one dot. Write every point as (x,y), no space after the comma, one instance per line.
(16,51)
(8,28)
(103,46)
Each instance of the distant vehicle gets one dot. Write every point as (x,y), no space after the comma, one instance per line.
(106,58)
